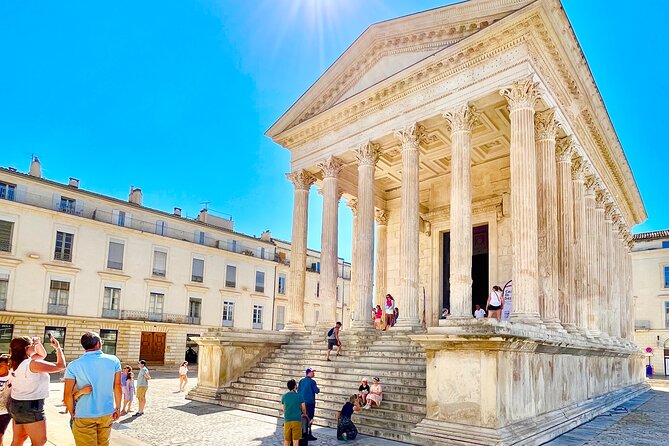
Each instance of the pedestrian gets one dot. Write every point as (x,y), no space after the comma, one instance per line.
(183,376)
(142,386)
(30,387)
(444,313)
(346,430)
(5,390)
(479,312)
(124,381)
(363,390)
(375,394)
(378,315)
(390,310)
(129,392)
(294,410)
(96,411)
(396,315)
(333,339)
(308,389)
(495,303)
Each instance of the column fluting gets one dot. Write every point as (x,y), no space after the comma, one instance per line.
(580,243)
(380,283)
(593,242)
(353,204)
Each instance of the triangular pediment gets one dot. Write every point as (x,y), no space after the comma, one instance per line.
(388,48)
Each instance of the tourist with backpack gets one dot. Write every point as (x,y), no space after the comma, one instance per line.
(308,389)
(333,340)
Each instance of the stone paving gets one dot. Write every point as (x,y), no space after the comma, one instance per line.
(171,420)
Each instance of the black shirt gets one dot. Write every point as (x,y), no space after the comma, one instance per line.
(347,410)
(361,388)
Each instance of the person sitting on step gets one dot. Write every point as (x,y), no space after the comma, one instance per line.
(363,390)
(375,395)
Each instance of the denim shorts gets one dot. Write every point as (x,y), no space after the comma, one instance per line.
(26,412)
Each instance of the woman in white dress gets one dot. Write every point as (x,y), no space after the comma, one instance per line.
(183,376)
(375,395)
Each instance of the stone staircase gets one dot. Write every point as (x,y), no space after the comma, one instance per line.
(392,356)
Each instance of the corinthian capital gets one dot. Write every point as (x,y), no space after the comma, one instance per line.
(565,148)
(463,118)
(591,184)
(381,216)
(409,136)
(301,179)
(367,154)
(353,204)
(546,125)
(331,167)
(578,168)
(609,211)
(601,197)
(522,94)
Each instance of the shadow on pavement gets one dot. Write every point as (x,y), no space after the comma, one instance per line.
(276,438)
(196,408)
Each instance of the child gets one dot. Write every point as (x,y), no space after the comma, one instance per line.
(124,379)
(78,393)
(363,390)
(128,392)
(5,418)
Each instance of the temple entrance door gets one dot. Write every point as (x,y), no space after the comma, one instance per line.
(152,347)
(480,269)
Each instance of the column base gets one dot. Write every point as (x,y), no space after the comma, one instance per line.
(407,325)
(526,318)
(362,325)
(571,328)
(554,325)
(294,327)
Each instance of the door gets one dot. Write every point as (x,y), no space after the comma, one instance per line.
(152,347)
(280,317)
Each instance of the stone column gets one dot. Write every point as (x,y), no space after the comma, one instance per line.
(368,155)
(629,298)
(407,301)
(546,127)
(522,96)
(353,204)
(302,181)
(565,219)
(381,256)
(620,253)
(580,243)
(593,242)
(461,123)
(602,270)
(615,273)
(329,240)
(614,307)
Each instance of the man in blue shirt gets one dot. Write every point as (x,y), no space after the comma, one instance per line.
(308,389)
(96,411)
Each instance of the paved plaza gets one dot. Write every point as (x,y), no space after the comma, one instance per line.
(171,420)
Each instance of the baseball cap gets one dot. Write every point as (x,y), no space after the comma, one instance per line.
(309,371)
(141,361)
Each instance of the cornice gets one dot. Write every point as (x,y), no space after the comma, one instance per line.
(486,205)
(10,261)
(109,275)
(194,288)
(60,268)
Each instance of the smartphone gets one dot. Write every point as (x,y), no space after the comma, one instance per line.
(49,335)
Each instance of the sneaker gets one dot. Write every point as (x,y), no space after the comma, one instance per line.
(138,414)
(310,437)
(367,407)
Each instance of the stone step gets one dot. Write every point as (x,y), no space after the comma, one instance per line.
(323,398)
(346,357)
(327,378)
(399,349)
(280,383)
(371,354)
(333,367)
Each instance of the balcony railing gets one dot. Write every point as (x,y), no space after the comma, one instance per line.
(154,317)
(110,314)
(64,256)
(228,323)
(3,304)
(57,309)
(194,320)
(5,246)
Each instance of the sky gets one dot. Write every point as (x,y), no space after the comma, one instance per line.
(174,96)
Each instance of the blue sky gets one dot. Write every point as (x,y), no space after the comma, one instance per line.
(174,96)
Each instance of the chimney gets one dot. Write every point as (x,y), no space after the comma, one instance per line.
(202,216)
(135,196)
(35,168)
(177,212)
(266,236)
(74,182)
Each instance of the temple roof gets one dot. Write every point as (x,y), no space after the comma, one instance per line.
(653,235)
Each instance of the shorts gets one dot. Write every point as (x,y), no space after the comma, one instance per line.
(26,412)
(292,430)
(332,343)
(141,392)
(311,409)
(5,418)
(494,307)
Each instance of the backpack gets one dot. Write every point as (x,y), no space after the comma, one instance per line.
(331,332)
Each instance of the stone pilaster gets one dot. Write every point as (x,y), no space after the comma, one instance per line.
(580,243)
(593,241)
(565,219)
(461,122)
(381,256)
(522,96)
(546,128)
(353,204)
(329,242)
(302,181)
(407,301)
(368,155)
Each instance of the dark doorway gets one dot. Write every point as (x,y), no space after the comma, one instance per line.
(480,262)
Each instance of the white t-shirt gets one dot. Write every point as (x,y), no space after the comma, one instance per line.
(495,298)
(3,384)
(27,385)
(183,370)
(480,313)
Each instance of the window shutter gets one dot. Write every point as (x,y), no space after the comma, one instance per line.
(6,228)
(20,194)
(55,203)
(128,220)
(115,215)
(198,235)
(78,207)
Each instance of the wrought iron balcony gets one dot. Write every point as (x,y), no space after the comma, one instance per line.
(154,317)
(194,320)
(64,256)
(3,304)
(5,246)
(57,309)
(110,314)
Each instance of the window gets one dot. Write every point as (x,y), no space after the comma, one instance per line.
(120,219)
(4,286)
(666,276)
(159,263)
(318,289)
(228,313)
(6,231)
(282,284)
(194,311)
(198,270)
(199,237)
(665,243)
(161,227)
(231,276)
(110,302)
(59,334)
(156,303)
(260,281)
(115,255)
(7,192)
(64,242)
(6,334)
(59,294)
(109,338)
(67,205)
(280,317)
(232,245)
(666,314)
(257,316)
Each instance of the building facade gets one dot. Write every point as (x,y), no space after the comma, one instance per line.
(149,281)
(650,265)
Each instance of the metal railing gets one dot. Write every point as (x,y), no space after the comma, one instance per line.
(194,320)
(3,304)
(110,314)
(148,316)
(64,256)
(5,246)
(57,309)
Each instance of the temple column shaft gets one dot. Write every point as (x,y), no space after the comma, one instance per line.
(381,256)
(602,274)
(367,155)
(593,258)
(580,244)
(522,97)
(546,128)
(461,122)
(615,279)
(353,204)
(565,219)
(629,299)
(614,308)
(302,181)
(407,301)
(329,235)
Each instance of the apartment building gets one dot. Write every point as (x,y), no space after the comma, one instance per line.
(149,281)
